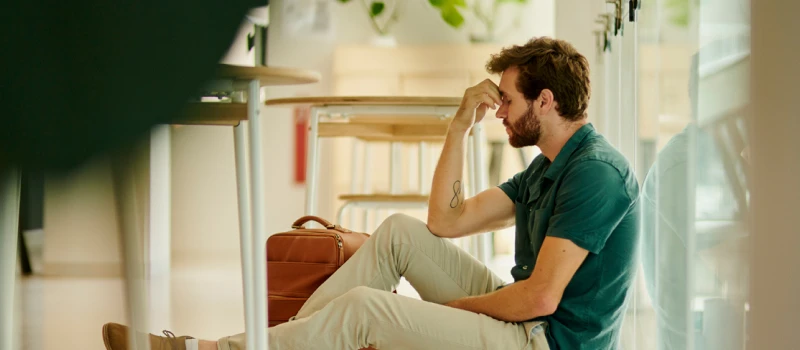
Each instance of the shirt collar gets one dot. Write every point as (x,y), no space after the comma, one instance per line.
(563,156)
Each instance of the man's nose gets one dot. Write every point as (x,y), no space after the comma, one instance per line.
(502,112)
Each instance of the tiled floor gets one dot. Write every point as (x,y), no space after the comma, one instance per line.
(206,302)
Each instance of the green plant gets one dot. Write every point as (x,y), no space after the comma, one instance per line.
(377,10)
(483,11)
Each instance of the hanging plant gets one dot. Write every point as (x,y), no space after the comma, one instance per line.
(483,15)
(380,16)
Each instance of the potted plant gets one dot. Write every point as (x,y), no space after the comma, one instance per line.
(481,16)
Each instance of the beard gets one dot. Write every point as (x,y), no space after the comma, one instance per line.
(525,131)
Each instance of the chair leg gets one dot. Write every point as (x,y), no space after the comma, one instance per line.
(312,163)
(496,162)
(484,245)
(9,226)
(367,185)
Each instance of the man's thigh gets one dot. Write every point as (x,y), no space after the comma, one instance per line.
(397,322)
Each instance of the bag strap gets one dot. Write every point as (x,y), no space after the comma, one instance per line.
(298,225)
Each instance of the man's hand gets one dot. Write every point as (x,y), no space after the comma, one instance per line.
(474,104)
(456,304)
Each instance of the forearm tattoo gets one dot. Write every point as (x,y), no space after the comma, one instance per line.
(456,191)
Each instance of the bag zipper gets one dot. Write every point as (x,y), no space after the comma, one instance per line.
(341,248)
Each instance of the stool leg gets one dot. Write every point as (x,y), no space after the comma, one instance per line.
(9,224)
(395,171)
(130,227)
(422,167)
(312,163)
(367,184)
(257,199)
(353,184)
(245,234)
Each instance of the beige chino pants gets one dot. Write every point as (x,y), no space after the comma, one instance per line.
(355,309)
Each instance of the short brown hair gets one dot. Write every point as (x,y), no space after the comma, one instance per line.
(546,63)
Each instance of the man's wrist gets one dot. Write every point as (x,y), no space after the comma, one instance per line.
(457,129)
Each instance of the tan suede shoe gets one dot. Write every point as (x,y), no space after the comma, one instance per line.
(115,336)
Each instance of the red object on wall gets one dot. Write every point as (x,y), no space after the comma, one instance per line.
(301,116)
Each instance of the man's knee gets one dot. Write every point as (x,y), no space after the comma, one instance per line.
(361,299)
(403,227)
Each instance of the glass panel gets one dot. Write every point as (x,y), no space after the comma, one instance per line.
(692,74)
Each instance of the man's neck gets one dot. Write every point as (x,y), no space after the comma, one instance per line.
(552,145)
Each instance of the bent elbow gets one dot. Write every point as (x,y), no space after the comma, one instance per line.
(443,229)
(436,228)
(546,305)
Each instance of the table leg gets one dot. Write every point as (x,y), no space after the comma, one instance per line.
(9,224)
(312,163)
(130,227)
(245,234)
(258,210)
(159,236)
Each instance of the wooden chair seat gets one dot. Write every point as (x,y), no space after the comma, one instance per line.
(385,198)
(367,100)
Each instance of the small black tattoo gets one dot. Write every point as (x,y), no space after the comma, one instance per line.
(456,192)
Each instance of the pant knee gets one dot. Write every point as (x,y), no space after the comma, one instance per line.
(401,227)
(360,300)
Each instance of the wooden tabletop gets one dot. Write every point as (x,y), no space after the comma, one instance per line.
(268,75)
(367,100)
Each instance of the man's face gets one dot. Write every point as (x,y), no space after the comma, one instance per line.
(522,126)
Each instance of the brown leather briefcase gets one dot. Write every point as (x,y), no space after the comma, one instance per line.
(300,260)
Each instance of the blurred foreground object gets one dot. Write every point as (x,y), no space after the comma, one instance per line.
(84,77)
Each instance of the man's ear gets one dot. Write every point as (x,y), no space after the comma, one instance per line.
(546,100)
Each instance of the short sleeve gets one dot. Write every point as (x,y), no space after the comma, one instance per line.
(511,187)
(590,203)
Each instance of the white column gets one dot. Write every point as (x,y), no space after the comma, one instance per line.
(775,196)
(575,23)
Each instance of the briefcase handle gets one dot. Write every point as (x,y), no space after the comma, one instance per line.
(298,225)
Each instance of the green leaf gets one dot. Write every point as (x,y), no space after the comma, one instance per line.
(344,1)
(451,15)
(376,8)
(442,4)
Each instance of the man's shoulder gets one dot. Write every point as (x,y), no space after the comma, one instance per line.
(598,155)
(600,150)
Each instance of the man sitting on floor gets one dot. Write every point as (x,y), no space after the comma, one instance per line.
(576,214)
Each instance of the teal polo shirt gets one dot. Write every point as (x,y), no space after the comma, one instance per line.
(589,195)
